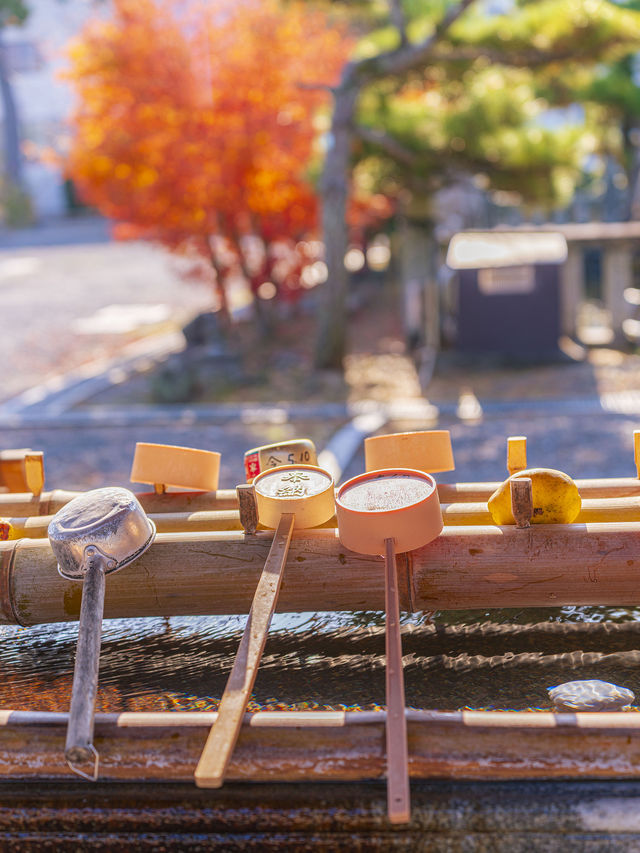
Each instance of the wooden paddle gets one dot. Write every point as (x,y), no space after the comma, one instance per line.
(398,797)
(381,512)
(287,497)
(222,738)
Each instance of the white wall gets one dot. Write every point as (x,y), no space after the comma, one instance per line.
(44,101)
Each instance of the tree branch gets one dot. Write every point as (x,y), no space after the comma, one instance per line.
(388,144)
(449,19)
(403,59)
(409,159)
(526,59)
(209,243)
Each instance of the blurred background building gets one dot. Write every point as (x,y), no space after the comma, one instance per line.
(35,59)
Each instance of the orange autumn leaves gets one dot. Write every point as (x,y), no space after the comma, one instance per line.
(196,120)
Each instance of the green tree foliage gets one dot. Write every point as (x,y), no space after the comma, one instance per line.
(441,89)
(612,93)
(481,105)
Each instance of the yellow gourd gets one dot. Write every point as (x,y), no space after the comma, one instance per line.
(556,499)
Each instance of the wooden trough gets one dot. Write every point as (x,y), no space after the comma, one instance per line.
(204,563)
(465,567)
(334,746)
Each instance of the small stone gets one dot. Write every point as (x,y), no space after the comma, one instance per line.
(592,695)
(203,330)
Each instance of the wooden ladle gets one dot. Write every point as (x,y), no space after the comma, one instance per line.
(287,497)
(426,450)
(165,465)
(385,512)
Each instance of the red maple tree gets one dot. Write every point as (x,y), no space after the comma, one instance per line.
(195,127)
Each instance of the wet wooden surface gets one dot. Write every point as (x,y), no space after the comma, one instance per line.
(448,817)
(335,746)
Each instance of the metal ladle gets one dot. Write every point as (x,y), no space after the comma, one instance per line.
(94,535)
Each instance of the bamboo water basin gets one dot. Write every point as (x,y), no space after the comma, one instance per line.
(474,566)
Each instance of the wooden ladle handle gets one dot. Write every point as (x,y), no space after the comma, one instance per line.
(79,747)
(218,749)
(398,798)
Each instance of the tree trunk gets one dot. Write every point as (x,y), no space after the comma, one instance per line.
(632,158)
(225,314)
(262,313)
(332,321)
(421,308)
(12,154)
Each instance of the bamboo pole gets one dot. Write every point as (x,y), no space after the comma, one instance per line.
(334,746)
(597,510)
(615,487)
(605,510)
(544,565)
(36,526)
(48,503)
(464,568)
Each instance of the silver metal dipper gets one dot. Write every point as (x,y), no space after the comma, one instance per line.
(94,535)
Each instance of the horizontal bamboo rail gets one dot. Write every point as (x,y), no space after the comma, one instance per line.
(333,746)
(48,503)
(597,510)
(615,487)
(24,505)
(35,527)
(608,510)
(216,573)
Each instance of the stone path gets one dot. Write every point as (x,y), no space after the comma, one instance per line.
(67,306)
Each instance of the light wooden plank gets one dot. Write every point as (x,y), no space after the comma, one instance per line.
(398,797)
(216,755)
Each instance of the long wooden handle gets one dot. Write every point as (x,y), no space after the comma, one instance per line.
(398,803)
(79,746)
(224,733)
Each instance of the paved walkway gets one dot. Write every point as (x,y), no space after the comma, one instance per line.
(585,435)
(67,306)
(69,231)
(578,417)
